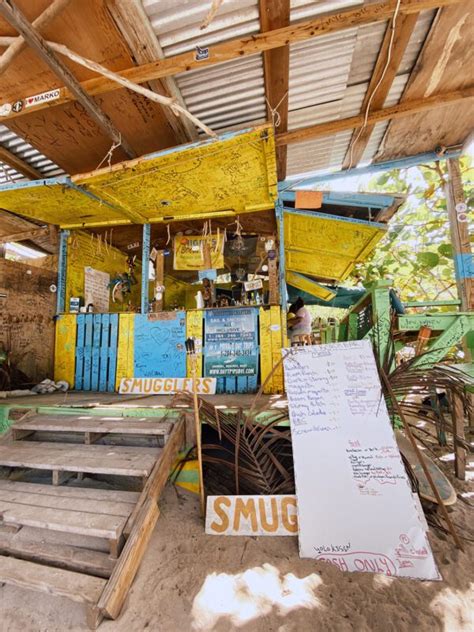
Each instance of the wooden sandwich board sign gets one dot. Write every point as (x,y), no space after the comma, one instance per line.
(355,506)
(166,385)
(251,515)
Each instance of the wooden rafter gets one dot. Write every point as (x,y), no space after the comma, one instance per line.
(41,21)
(16,18)
(18,164)
(395,41)
(406,108)
(24,235)
(251,45)
(135,27)
(275,14)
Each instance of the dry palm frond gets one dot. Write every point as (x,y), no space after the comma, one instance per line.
(258,454)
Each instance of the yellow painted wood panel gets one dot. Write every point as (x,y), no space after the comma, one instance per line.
(266,359)
(308,285)
(85,250)
(194,329)
(65,349)
(328,247)
(125,350)
(276,333)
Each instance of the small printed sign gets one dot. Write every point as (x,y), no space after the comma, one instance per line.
(166,385)
(201,53)
(17,106)
(250,286)
(43,97)
(251,515)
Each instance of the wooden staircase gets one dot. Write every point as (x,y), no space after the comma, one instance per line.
(104,532)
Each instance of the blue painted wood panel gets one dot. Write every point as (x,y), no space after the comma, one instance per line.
(80,338)
(112,347)
(104,352)
(159,345)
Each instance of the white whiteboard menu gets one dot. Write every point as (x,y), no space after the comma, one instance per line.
(355,507)
(96,289)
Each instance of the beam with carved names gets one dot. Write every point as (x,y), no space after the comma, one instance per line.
(15,17)
(242,47)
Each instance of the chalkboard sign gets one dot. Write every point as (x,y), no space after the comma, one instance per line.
(231,342)
(355,507)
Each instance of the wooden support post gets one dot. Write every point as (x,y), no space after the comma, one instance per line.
(281,254)
(145,268)
(197,423)
(93,437)
(273,293)
(159,280)
(62,263)
(60,477)
(457,415)
(458,214)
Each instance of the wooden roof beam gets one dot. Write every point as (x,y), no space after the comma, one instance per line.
(25,235)
(43,20)
(406,108)
(242,47)
(134,25)
(15,17)
(18,164)
(275,14)
(393,48)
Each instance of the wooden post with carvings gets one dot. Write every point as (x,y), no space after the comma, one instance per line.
(159,281)
(462,253)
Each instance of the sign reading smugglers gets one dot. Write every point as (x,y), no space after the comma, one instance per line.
(166,385)
(251,515)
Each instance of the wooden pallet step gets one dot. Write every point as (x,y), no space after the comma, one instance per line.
(66,457)
(99,425)
(107,507)
(56,581)
(69,491)
(66,556)
(67,521)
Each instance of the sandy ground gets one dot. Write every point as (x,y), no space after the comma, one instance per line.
(190,581)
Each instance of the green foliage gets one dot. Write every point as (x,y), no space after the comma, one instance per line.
(416,254)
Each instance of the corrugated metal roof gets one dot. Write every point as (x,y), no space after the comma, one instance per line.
(329,75)
(16,145)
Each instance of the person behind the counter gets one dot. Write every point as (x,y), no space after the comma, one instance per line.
(299,323)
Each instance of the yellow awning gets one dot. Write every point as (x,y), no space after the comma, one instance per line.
(325,246)
(232,174)
(303,283)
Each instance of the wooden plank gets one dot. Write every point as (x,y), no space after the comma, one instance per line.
(457,415)
(54,581)
(79,493)
(65,349)
(78,522)
(62,423)
(104,352)
(275,14)
(40,22)
(18,164)
(81,337)
(406,108)
(24,235)
(160,473)
(249,45)
(110,508)
(125,348)
(443,50)
(115,592)
(137,31)
(276,338)
(96,336)
(94,459)
(266,357)
(15,17)
(112,368)
(381,81)
(89,324)
(65,556)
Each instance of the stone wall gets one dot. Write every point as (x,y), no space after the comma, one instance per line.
(27,307)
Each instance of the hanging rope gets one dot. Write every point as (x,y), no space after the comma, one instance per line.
(212,12)
(109,154)
(275,114)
